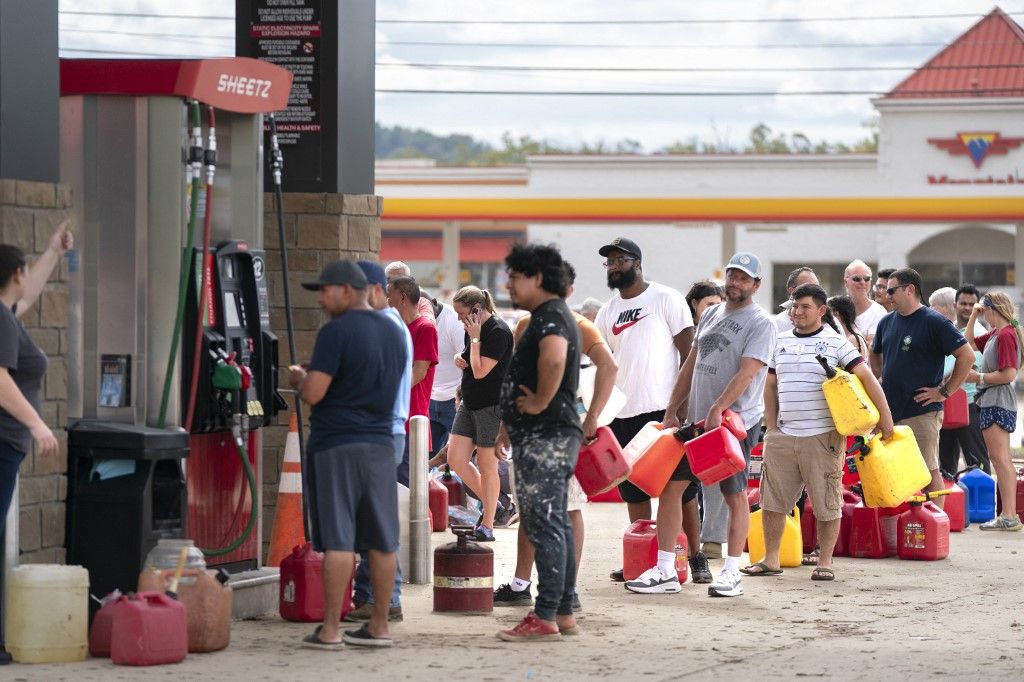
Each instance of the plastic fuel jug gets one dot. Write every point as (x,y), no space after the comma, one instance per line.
(640,550)
(655,465)
(601,465)
(851,408)
(923,530)
(890,472)
(981,489)
(954,410)
(790,551)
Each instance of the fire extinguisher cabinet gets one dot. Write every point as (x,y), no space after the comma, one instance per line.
(126,490)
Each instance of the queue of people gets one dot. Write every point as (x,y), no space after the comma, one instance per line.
(492,394)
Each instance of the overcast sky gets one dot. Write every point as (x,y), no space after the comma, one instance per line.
(653,121)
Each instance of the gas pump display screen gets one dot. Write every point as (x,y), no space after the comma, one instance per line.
(232,307)
(115,380)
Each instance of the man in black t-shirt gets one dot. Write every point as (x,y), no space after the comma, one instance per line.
(538,409)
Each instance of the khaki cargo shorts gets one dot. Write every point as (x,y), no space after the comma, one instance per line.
(794,462)
(926,429)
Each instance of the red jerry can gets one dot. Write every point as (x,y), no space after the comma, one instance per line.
(438,503)
(809,527)
(149,628)
(850,501)
(102,627)
(956,507)
(612,495)
(600,465)
(301,596)
(715,455)
(923,530)
(954,410)
(456,494)
(872,533)
(849,477)
(753,498)
(640,550)
(1020,492)
(756,465)
(731,421)
(463,575)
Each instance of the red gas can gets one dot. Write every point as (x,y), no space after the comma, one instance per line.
(731,421)
(715,455)
(956,507)
(1020,493)
(102,626)
(640,550)
(301,596)
(872,533)
(456,495)
(923,532)
(149,628)
(850,501)
(438,503)
(954,411)
(850,477)
(612,495)
(756,464)
(753,498)
(600,465)
(463,575)
(809,526)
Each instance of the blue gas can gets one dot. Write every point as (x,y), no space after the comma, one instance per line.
(981,495)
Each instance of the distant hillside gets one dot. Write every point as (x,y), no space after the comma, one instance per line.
(405,143)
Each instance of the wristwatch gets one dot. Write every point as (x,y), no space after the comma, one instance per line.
(943,392)
(981,378)
(474,340)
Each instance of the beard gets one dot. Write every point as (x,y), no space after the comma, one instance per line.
(621,280)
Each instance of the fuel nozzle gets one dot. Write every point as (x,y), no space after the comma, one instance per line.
(927,496)
(830,371)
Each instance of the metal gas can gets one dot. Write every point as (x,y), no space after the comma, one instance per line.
(463,575)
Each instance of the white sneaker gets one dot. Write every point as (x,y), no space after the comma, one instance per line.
(654,581)
(727,584)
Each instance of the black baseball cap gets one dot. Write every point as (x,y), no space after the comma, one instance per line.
(622,244)
(339,272)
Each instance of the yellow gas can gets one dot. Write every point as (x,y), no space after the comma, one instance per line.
(890,472)
(851,408)
(791,550)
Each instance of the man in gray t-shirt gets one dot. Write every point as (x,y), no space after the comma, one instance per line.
(726,369)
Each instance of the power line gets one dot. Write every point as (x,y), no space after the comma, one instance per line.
(143,34)
(704,93)
(128,53)
(657,69)
(660,22)
(145,15)
(677,46)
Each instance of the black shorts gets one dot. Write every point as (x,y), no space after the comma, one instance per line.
(354,498)
(625,430)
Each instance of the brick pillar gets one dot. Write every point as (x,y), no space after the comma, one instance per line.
(319,228)
(29,212)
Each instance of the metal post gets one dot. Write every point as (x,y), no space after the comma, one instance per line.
(10,549)
(418,570)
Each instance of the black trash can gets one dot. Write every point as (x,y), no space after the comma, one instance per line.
(116,514)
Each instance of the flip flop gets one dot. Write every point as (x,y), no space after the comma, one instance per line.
(810,559)
(313,641)
(760,568)
(823,573)
(362,637)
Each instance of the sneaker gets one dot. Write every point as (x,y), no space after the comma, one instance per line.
(712,550)
(1003,523)
(700,572)
(531,629)
(483,534)
(506,596)
(506,516)
(727,584)
(576,605)
(364,611)
(617,576)
(654,581)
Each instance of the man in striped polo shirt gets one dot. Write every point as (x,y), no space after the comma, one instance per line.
(802,447)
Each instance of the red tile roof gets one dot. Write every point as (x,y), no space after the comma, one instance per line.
(986,61)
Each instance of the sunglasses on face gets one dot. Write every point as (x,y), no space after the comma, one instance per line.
(860,278)
(617,261)
(892,290)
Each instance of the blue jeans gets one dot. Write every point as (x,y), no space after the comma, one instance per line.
(442,414)
(10,460)
(363,592)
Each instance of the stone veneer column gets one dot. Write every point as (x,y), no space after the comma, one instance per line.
(319,228)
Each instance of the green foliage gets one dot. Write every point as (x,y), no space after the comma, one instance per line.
(463,150)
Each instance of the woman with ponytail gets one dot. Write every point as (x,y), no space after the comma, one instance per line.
(483,363)
(1002,354)
(845,312)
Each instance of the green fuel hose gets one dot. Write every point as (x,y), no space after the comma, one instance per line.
(250,476)
(196,168)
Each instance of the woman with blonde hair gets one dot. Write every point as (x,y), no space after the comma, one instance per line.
(477,420)
(1002,354)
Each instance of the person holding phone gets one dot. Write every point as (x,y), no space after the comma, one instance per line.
(484,362)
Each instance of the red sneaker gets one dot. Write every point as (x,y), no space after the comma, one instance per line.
(531,629)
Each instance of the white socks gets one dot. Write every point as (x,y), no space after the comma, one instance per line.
(667,562)
(732,564)
(518,584)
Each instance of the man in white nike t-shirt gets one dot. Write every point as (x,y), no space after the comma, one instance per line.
(648,328)
(858,282)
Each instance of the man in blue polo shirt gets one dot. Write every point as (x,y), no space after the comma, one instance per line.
(351,383)
(908,353)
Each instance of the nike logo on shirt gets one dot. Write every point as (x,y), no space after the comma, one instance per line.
(619,328)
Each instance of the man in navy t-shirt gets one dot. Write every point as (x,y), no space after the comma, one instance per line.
(351,384)
(908,353)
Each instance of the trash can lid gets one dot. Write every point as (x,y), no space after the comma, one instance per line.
(120,436)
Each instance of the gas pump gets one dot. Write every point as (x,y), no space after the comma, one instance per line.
(126,128)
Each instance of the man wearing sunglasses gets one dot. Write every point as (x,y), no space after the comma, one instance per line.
(880,293)
(909,353)
(857,279)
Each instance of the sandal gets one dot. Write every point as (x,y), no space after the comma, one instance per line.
(811,558)
(823,573)
(313,641)
(760,568)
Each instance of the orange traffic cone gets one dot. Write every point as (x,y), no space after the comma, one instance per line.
(288,529)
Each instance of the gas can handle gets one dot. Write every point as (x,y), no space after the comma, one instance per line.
(928,496)
(830,372)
